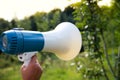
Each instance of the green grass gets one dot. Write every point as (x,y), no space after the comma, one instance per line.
(52,70)
(60,73)
(10,73)
(55,71)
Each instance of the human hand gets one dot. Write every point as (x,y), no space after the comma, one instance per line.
(33,71)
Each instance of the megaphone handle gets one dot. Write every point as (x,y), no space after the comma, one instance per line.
(26,57)
(27,62)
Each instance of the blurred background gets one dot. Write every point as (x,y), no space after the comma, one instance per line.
(98,21)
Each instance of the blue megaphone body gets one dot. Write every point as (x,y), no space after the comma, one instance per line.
(17,41)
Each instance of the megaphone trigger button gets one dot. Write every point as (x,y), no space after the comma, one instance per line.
(20,57)
(18,29)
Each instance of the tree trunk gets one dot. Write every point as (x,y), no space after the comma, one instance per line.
(106,55)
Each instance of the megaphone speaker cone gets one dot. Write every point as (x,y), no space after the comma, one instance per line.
(65,41)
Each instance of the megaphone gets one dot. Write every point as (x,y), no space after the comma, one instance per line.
(65,41)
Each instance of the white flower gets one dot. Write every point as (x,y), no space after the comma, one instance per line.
(72,64)
(86,55)
(78,63)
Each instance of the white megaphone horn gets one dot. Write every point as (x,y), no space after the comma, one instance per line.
(65,41)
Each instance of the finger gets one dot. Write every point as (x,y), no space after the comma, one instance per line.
(33,59)
(23,67)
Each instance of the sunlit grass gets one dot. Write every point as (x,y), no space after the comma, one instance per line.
(52,70)
(60,73)
(11,73)
(56,71)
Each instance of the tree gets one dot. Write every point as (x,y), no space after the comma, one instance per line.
(33,24)
(25,23)
(13,24)
(41,21)
(67,14)
(54,18)
(95,22)
(4,25)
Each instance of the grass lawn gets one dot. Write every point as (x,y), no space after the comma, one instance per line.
(53,72)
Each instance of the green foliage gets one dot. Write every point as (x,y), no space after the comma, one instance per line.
(4,25)
(54,18)
(41,21)
(98,26)
(24,24)
(67,14)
